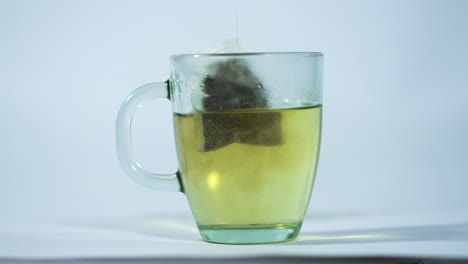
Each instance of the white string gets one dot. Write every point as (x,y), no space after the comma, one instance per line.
(228,45)
(237,21)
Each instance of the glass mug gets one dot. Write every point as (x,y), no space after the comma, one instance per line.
(247,129)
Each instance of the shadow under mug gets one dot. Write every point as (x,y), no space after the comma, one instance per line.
(247,129)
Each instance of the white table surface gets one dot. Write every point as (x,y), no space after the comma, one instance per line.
(324,235)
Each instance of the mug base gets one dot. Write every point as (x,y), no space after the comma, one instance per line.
(249,234)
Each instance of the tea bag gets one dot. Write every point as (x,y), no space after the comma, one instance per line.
(232,86)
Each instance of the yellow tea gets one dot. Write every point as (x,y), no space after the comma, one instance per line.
(249,169)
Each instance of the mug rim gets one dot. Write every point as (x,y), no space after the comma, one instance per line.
(242,54)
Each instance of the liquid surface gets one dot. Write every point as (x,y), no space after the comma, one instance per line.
(249,167)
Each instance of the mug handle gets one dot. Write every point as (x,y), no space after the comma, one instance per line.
(141,95)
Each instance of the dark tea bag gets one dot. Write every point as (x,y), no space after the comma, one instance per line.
(233,86)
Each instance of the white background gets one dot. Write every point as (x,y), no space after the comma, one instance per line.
(395,99)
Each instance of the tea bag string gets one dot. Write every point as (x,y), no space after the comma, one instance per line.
(237,21)
(236,45)
(232,45)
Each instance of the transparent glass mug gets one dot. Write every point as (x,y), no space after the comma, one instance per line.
(247,129)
